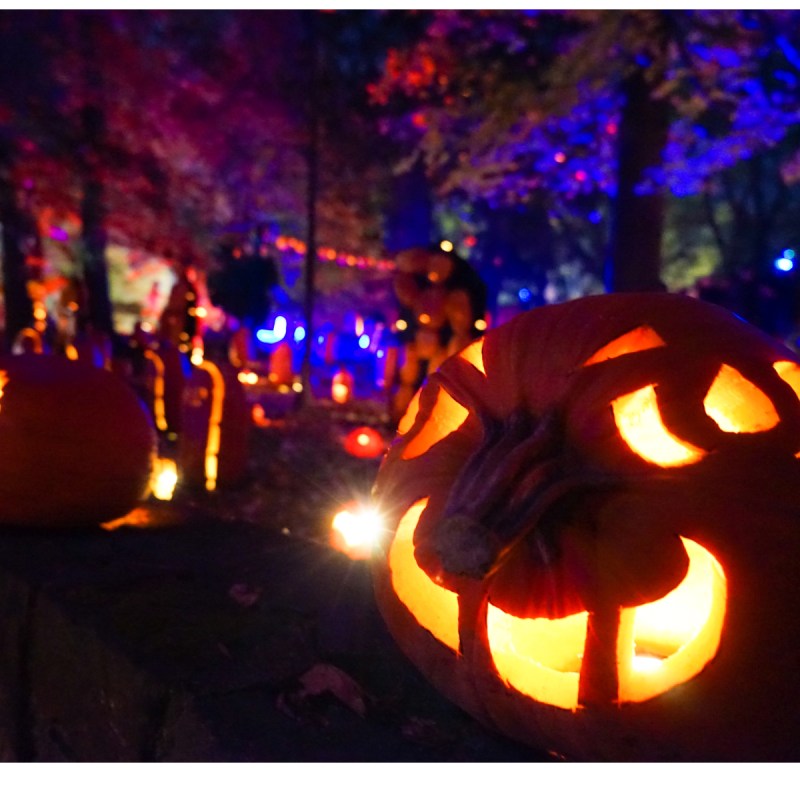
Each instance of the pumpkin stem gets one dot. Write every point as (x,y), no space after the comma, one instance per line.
(519,472)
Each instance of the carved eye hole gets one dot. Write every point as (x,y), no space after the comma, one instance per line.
(789,371)
(448,414)
(639,423)
(737,405)
(734,403)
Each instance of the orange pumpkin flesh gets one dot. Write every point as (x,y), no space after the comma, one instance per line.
(76,444)
(595,515)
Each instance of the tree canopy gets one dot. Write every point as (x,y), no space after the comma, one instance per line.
(599,112)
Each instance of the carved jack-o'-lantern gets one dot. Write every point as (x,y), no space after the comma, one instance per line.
(215,424)
(596,516)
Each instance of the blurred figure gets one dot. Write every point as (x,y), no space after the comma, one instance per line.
(441,309)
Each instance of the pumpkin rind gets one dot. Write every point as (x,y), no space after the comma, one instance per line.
(740,501)
(76,443)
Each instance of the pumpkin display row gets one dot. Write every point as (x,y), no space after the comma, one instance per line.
(595,532)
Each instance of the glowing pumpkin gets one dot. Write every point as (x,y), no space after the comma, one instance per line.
(364,442)
(342,386)
(596,516)
(213,447)
(163,384)
(76,443)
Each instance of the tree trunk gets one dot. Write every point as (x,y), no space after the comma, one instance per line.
(94,239)
(409,218)
(93,214)
(312,196)
(18,306)
(638,219)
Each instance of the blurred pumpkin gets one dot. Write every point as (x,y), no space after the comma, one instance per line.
(342,385)
(596,516)
(213,447)
(76,444)
(364,442)
(164,381)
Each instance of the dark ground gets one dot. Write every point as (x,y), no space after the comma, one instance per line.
(220,627)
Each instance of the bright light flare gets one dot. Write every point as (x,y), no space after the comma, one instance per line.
(355,530)
(164,478)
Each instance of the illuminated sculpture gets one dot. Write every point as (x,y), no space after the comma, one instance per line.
(442,307)
(596,516)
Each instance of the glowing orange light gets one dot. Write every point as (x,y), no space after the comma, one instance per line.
(214,422)
(642,338)
(434,607)
(737,405)
(639,423)
(164,478)
(247,377)
(659,645)
(364,442)
(259,416)
(355,530)
(3,381)
(473,353)
(341,386)
(446,417)
(159,413)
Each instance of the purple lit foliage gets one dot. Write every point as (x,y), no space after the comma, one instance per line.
(510,105)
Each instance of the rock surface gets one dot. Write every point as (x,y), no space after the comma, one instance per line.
(218,628)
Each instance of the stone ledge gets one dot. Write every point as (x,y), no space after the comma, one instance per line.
(178,643)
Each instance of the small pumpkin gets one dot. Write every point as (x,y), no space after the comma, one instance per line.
(76,443)
(342,386)
(364,442)
(596,527)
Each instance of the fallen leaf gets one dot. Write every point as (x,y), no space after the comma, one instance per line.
(245,595)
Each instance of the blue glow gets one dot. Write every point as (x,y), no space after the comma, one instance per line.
(380,353)
(789,253)
(784,264)
(363,341)
(320,339)
(275,334)
(299,333)
(524,294)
